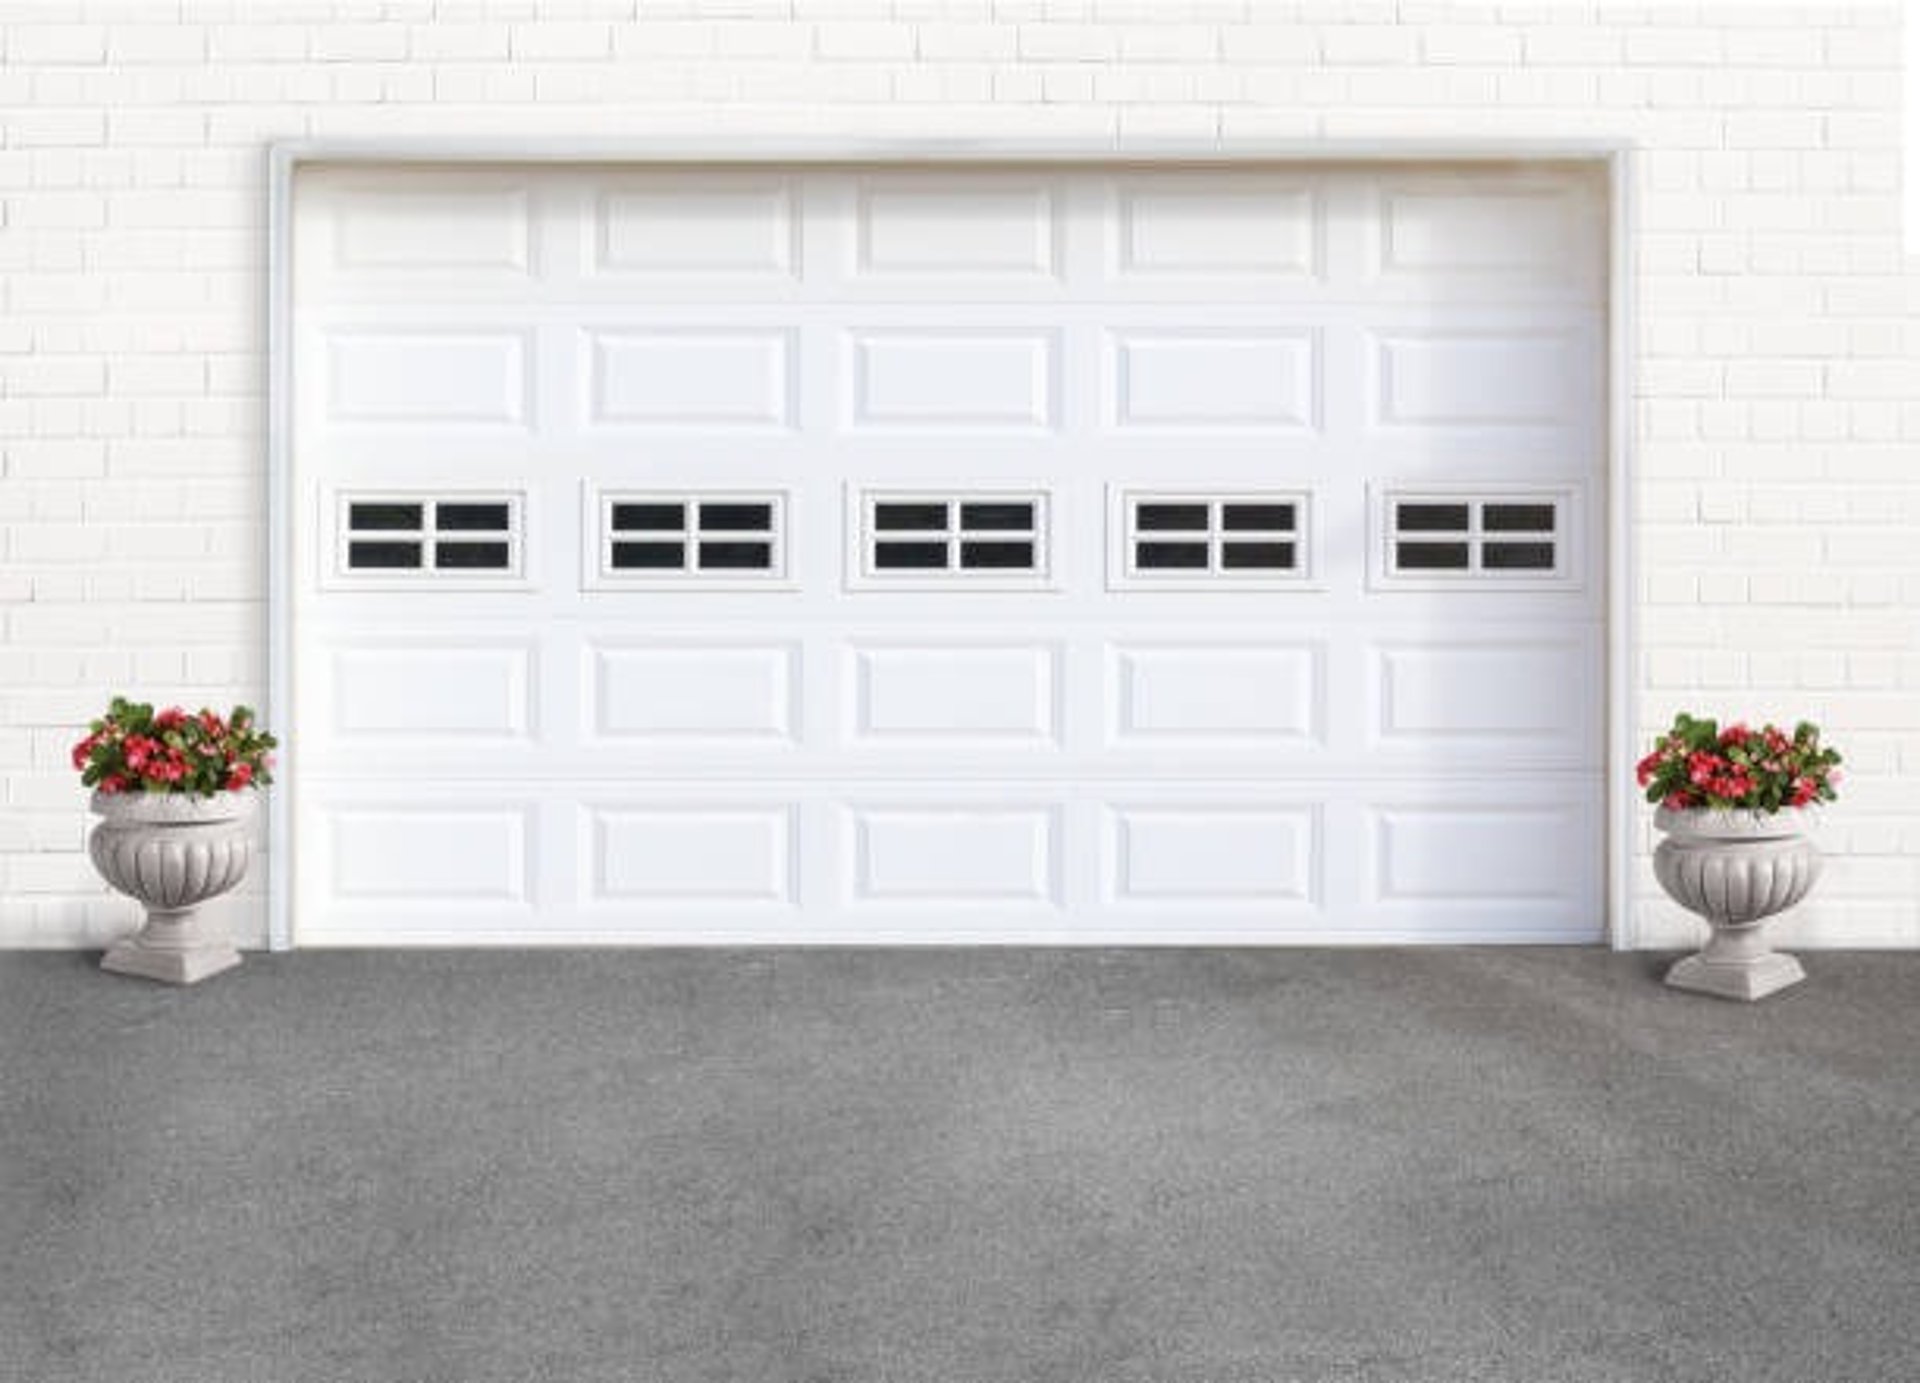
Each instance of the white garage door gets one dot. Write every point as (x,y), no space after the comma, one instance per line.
(908,555)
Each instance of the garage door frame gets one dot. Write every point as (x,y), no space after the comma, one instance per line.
(1615,158)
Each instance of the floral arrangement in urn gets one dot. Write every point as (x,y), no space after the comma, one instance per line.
(174,792)
(1733,802)
(1698,764)
(134,748)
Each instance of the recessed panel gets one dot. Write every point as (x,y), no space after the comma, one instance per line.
(1215,379)
(692,854)
(429,854)
(703,692)
(426,377)
(697,226)
(1213,854)
(692,378)
(953,379)
(963,694)
(1216,695)
(1477,379)
(1448,690)
(1216,226)
(1446,853)
(431,229)
(957,855)
(955,226)
(435,692)
(1478,232)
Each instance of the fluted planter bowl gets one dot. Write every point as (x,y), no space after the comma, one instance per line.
(172,852)
(1736,869)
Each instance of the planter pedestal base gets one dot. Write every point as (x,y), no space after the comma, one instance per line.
(174,948)
(1740,979)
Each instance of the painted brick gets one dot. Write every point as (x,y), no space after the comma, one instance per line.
(1776,400)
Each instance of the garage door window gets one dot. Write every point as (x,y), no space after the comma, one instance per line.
(692,538)
(1446,538)
(383,536)
(1186,539)
(969,540)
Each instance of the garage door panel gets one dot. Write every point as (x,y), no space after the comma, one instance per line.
(947,378)
(1231,698)
(1205,854)
(980,227)
(1488,235)
(1193,378)
(698,377)
(414,853)
(670,692)
(666,856)
(1513,696)
(918,696)
(953,854)
(589,746)
(425,377)
(1214,226)
(1439,378)
(431,692)
(742,228)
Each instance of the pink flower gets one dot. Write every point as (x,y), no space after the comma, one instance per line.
(1678,801)
(84,750)
(113,782)
(170,719)
(239,776)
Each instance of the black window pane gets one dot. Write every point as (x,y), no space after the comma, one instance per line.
(910,517)
(1517,556)
(1241,518)
(910,556)
(735,556)
(1431,556)
(1257,556)
(1517,518)
(1431,518)
(1170,518)
(375,518)
(649,556)
(631,517)
(1002,556)
(383,556)
(1001,518)
(737,518)
(470,556)
(1170,556)
(471,518)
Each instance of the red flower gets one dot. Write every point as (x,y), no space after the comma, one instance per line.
(213,724)
(113,782)
(1804,791)
(170,719)
(239,776)
(139,750)
(1678,801)
(1736,733)
(1644,770)
(1703,768)
(84,750)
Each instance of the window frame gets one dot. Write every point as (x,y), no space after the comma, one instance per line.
(335,546)
(861,538)
(1124,575)
(1566,499)
(598,537)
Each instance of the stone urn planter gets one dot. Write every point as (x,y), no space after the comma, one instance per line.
(172,852)
(1736,869)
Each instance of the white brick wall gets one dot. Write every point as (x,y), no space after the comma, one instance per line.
(1777,388)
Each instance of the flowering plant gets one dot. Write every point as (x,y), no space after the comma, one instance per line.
(134,747)
(1698,764)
